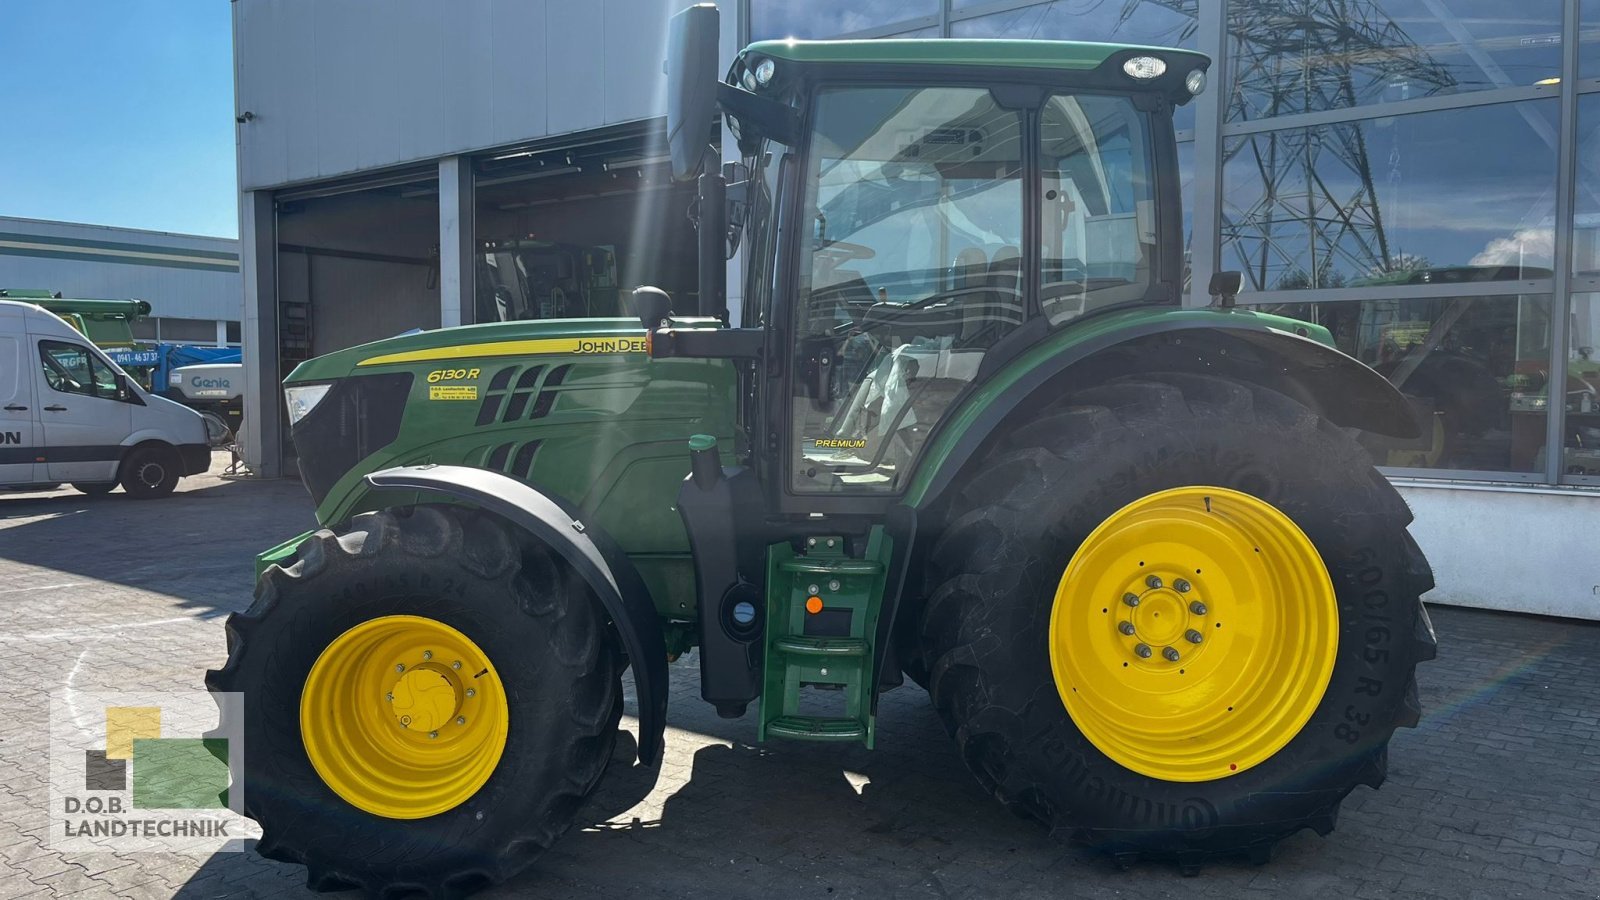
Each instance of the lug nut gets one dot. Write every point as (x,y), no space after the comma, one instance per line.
(1125,627)
(433,735)
(461,720)
(1197,608)
(471,692)
(456,664)
(1194,637)
(399,667)
(427,654)
(389,697)
(1143,650)
(1181,586)
(1131,599)
(1154,581)
(1170,653)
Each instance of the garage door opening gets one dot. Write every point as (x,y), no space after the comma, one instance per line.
(356,266)
(569,232)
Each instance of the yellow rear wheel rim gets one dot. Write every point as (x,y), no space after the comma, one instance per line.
(403,717)
(1193,633)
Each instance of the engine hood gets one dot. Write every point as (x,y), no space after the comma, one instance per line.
(531,338)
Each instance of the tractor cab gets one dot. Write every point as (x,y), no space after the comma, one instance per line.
(914,213)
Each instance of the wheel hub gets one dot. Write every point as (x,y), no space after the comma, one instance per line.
(425,699)
(403,717)
(1193,633)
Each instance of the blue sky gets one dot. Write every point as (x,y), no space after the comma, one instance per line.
(118,112)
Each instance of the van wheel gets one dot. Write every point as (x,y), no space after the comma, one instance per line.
(94,489)
(150,472)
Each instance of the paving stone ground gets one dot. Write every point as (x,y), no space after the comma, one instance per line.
(1496,795)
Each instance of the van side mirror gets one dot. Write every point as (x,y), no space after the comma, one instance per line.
(692,38)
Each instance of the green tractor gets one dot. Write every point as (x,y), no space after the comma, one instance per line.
(962,433)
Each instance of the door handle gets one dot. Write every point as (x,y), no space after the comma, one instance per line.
(55,409)
(15,408)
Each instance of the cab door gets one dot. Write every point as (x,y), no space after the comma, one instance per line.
(19,429)
(83,418)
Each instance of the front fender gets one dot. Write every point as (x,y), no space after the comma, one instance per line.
(588,550)
(1236,343)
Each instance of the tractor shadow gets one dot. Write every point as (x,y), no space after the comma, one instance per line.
(729,818)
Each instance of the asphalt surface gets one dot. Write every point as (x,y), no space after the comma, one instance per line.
(1497,794)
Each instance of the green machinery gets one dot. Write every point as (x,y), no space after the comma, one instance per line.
(108,323)
(960,432)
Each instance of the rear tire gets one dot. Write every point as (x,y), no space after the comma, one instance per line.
(150,471)
(985,628)
(541,630)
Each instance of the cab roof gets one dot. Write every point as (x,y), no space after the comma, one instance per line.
(1081,55)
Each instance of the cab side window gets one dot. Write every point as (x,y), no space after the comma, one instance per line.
(72,369)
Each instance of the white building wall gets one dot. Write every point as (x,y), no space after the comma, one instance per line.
(1525,550)
(333,89)
(184,276)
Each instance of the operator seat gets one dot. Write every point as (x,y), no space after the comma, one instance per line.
(1000,309)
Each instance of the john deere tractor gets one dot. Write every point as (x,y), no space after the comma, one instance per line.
(960,430)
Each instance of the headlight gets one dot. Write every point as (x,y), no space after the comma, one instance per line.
(764,72)
(303,399)
(1196,82)
(1145,68)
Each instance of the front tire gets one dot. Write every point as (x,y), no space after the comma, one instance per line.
(412,812)
(1017,640)
(150,471)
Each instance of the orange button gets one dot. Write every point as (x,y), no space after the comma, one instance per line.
(813,605)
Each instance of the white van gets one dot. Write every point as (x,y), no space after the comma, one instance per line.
(68,414)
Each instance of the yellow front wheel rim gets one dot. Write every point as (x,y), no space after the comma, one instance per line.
(1193,633)
(403,717)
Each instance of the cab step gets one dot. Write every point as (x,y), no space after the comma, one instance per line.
(824,646)
(822,616)
(817,728)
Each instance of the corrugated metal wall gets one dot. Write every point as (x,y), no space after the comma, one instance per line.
(337,88)
(184,276)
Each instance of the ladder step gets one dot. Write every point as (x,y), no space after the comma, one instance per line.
(813,728)
(823,565)
(821,646)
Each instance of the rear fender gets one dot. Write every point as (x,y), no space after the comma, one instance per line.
(1241,345)
(588,550)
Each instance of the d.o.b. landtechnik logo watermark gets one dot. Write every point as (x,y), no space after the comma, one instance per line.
(147,772)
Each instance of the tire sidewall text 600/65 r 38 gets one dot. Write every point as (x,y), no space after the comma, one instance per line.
(1029,505)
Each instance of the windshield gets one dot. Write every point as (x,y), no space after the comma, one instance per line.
(915,208)
(913,231)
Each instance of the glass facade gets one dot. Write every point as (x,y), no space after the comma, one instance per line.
(1313,56)
(1422,177)
(1379,201)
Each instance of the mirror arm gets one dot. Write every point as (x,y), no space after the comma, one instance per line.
(775,120)
(713,241)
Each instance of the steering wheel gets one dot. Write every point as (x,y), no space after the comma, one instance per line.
(843,251)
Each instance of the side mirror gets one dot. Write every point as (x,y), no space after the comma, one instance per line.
(653,306)
(1224,287)
(121,382)
(692,38)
